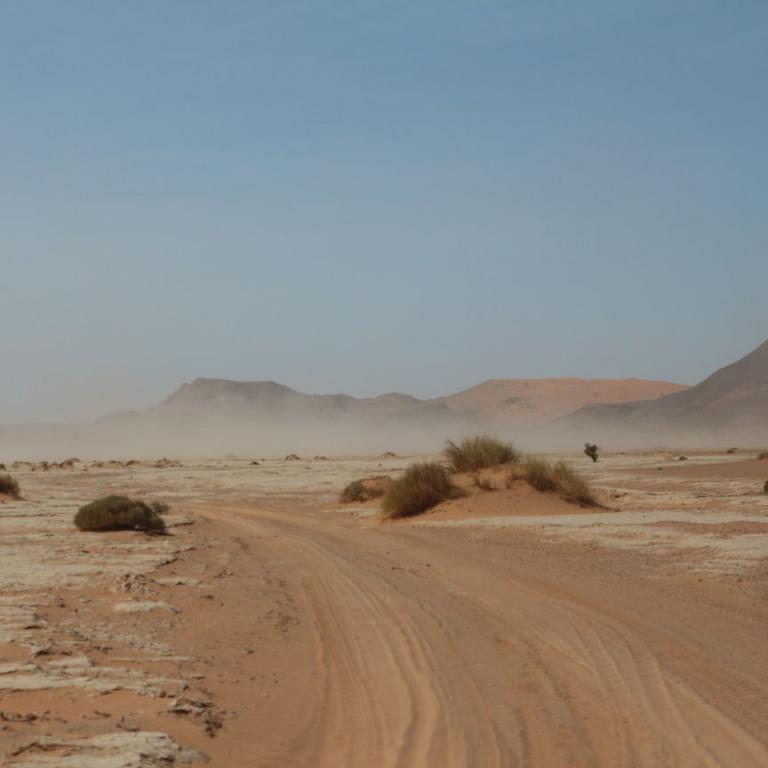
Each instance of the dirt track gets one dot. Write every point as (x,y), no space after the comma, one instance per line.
(441,653)
(283,629)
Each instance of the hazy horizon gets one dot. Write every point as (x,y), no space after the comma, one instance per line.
(372,197)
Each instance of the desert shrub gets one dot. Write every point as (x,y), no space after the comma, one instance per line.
(423,486)
(9,486)
(558,477)
(592,451)
(571,486)
(359,490)
(119,513)
(479,452)
(538,474)
(765,487)
(732,450)
(762,456)
(354,491)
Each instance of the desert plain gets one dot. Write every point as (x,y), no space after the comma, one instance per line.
(276,626)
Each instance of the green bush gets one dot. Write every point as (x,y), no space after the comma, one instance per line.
(423,486)
(9,486)
(762,456)
(479,452)
(592,451)
(119,513)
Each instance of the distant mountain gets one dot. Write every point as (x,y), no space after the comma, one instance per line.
(213,417)
(503,402)
(531,402)
(732,398)
(268,400)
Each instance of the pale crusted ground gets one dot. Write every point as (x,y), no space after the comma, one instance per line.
(284,629)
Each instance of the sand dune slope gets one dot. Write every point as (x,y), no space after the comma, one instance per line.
(539,401)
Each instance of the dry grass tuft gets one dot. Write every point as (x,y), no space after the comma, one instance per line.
(558,477)
(423,486)
(119,513)
(9,486)
(366,489)
(479,452)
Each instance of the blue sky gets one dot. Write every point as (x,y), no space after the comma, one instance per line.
(371,196)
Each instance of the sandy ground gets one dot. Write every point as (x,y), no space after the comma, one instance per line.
(276,627)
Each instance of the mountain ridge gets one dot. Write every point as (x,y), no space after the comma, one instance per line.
(735,395)
(507,402)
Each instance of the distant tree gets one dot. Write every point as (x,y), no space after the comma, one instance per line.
(591,451)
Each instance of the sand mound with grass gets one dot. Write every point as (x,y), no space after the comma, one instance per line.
(491,493)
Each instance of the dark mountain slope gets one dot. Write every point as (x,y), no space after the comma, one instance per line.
(733,397)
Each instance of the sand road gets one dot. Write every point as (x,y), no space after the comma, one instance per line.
(424,646)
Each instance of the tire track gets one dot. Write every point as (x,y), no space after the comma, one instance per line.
(466,666)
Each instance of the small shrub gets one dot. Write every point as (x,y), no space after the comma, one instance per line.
(9,486)
(354,491)
(571,486)
(557,478)
(479,452)
(732,450)
(119,513)
(539,475)
(423,486)
(765,487)
(762,456)
(592,451)
(364,490)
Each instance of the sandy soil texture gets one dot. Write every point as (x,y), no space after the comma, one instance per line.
(278,627)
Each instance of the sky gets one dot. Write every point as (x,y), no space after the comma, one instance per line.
(369,196)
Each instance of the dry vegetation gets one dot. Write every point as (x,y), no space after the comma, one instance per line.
(426,485)
(479,452)
(366,489)
(553,477)
(119,513)
(9,486)
(423,486)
